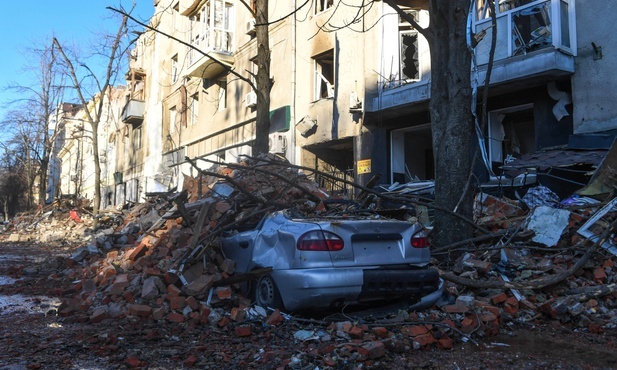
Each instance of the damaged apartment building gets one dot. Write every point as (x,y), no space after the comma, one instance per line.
(549,99)
(350,95)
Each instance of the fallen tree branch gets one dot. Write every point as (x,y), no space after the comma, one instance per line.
(418,199)
(532,284)
(310,195)
(596,291)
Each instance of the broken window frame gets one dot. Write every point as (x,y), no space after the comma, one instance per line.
(586,229)
(496,132)
(323,5)
(194,109)
(173,116)
(175,69)
(552,23)
(222,93)
(403,78)
(324,68)
(136,139)
(396,76)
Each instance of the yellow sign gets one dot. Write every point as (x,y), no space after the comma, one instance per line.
(364,166)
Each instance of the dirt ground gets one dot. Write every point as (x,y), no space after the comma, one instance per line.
(33,336)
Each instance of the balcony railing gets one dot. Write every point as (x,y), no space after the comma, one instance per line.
(525,28)
(215,40)
(211,33)
(133,111)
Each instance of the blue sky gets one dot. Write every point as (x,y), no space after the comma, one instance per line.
(24,22)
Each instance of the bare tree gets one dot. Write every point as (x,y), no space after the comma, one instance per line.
(113,51)
(13,184)
(450,107)
(31,120)
(262,80)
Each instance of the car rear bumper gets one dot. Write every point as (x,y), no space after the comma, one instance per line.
(314,288)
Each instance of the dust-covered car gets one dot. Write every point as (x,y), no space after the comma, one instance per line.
(333,262)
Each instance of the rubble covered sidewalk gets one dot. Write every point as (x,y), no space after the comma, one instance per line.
(160,262)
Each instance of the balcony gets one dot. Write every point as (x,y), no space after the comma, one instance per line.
(203,66)
(534,39)
(133,111)
(522,29)
(212,38)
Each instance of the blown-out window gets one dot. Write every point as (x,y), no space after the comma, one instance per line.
(321,5)
(324,75)
(194,109)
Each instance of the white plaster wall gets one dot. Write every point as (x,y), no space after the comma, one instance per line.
(594,90)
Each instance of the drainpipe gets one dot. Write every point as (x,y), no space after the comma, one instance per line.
(293,156)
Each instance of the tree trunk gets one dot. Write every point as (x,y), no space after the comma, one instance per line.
(263,81)
(97,167)
(451,117)
(43,180)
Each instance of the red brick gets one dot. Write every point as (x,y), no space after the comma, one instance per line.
(175,317)
(512,301)
(139,251)
(223,293)
(608,263)
(329,361)
(153,271)
(380,332)
(222,207)
(356,333)
(118,288)
(499,298)
(413,331)
(510,310)
(140,310)
(346,327)
(424,339)
(487,307)
(192,303)
(191,361)
(133,362)
(237,314)
(487,317)
(204,312)
(99,315)
(128,296)
(280,354)
(468,325)
(375,349)
(162,253)
(170,278)
(194,316)
(445,343)
(275,318)
(223,322)
(243,331)
(159,313)
(177,303)
(599,274)
(327,349)
(596,329)
(455,308)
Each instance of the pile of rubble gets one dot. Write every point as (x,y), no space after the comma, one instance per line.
(538,259)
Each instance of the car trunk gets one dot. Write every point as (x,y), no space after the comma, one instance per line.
(375,243)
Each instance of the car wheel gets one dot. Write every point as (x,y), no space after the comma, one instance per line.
(266,293)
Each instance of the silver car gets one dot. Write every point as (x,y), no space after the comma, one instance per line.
(319,263)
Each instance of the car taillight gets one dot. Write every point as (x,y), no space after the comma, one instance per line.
(318,240)
(420,242)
